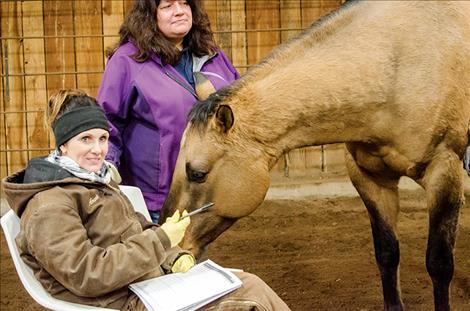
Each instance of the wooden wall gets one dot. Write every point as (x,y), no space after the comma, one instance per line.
(49,45)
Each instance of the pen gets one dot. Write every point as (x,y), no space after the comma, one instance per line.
(199,210)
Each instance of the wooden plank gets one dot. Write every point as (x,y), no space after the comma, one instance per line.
(3,155)
(15,123)
(308,162)
(127,5)
(113,16)
(291,17)
(210,7)
(88,50)
(58,22)
(312,10)
(224,23)
(261,14)
(330,5)
(239,43)
(36,97)
(216,14)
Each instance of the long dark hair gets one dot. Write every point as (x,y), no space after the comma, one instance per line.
(140,26)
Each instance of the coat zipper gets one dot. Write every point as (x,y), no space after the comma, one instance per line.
(184,85)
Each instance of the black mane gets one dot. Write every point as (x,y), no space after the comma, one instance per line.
(205,109)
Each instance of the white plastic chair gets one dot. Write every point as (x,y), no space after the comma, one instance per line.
(137,199)
(11,227)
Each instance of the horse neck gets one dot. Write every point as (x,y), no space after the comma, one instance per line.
(315,90)
(310,100)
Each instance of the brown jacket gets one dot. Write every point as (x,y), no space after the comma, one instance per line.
(83,239)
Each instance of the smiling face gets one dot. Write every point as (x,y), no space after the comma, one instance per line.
(174,19)
(88,149)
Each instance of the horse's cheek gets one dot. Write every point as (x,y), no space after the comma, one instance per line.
(244,196)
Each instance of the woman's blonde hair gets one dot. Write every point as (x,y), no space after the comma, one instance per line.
(63,101)
(70,112)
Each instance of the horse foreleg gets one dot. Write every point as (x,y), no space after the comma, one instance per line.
(381,200)
(443,182)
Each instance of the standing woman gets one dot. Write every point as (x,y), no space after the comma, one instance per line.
(166,59)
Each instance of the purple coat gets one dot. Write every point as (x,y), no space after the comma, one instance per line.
(147,108)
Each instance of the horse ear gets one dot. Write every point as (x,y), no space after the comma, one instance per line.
(224,118)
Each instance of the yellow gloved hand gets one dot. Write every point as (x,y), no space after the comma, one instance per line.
(183,263)
(174,228)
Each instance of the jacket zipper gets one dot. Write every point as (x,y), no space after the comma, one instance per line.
(184,85)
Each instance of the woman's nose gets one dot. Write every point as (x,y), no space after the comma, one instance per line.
(96,148)
(178,8)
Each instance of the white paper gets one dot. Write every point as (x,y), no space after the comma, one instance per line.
(202,284)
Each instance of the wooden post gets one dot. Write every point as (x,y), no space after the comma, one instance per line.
(88,50)
(35,95)
(14,104)
(210,7)
(59,44)
(4,93)
(113,16)
(239,44)
(290,18)
(127,5)
(312,10)
(224,22)
(262,14)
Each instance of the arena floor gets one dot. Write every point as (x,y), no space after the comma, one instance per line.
(317,254)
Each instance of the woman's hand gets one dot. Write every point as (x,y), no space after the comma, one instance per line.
(174,228)
(183,263)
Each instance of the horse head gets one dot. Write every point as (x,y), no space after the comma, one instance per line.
(215,164)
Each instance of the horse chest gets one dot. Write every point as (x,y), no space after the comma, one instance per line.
(380,160)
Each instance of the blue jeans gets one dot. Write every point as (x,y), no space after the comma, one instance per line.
(155,215)
(466,159)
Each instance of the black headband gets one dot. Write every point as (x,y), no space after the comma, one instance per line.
(78,120)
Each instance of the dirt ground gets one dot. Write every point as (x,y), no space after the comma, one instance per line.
(317,254)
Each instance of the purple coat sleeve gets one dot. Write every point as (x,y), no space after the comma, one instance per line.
(114,96)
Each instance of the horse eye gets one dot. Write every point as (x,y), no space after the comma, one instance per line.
(195,176)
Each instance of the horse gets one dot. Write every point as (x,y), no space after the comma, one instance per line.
(391,80)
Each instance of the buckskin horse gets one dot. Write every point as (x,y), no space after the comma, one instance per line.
(389,79)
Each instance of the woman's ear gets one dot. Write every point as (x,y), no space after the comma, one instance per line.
(63,150)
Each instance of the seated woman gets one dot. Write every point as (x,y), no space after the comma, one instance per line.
(79,232)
